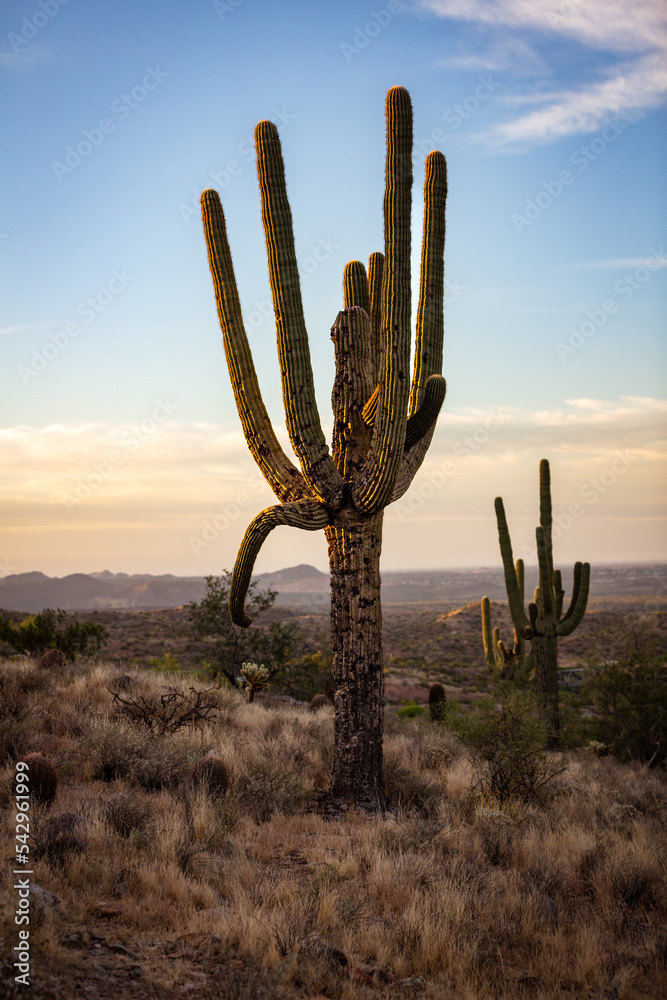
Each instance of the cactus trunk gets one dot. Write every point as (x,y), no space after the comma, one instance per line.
(356,629)
(545,659)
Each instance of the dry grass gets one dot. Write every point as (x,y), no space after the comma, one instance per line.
(167,890)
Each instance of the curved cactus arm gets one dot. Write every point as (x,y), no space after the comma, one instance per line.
(284,479)
(576,585)
(373,488)
(511,583)
(309,515)
(355,286)
(375,276)
(302,417)
(568,625)
(423,420)
(430,311)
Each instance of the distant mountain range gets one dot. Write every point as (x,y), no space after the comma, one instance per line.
(302,585)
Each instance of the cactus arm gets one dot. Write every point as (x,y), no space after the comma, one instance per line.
(559,593)
(576,585)
(423,420)
(488,636)
(546,523)
(351,334)
(309,515)
(511,583)
(546,573)
(374,486)
(568,625)
(533,612)
(520,577)
(284,479)
(375,276)
(355,286)
(430,326)
(302,417)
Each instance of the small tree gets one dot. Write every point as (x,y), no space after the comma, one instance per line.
(50,629)
(227,646)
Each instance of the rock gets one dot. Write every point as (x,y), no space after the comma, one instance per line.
(119,949)
(43,895)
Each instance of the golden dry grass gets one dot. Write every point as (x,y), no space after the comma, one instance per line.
(177,892)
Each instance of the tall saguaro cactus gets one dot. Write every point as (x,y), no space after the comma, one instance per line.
(545,621)
(383,421)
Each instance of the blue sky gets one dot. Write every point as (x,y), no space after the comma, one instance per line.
(552,118)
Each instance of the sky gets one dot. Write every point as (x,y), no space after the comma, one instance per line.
(120,447)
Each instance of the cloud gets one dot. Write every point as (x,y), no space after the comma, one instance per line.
(622,263)
(19,326)
(633,36)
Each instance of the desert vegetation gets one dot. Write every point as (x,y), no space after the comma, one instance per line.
(198,860)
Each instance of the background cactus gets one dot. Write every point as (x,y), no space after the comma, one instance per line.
(383,421)
(545,622)
(437,702)
(52,659)
(256,677)
(43,778)
(506,664)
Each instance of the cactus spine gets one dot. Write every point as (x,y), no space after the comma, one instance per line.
(383,422)
(545,622)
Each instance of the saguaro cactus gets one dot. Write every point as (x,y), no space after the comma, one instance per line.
(543,625)
(383,421)
(506,663)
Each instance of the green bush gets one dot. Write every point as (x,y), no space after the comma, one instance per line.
(50,629)
(506,745)
(410,710)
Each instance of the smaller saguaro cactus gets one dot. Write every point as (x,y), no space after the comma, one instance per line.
(545,622)
(319,701)
(506,664)
(42,778)
(437,702)
(52,659)
(256,677)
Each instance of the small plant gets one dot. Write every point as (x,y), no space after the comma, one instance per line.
(50,629)
(42,778)
(58,838)
(167,664)
(53,660)
(126,815)
(211,773)
(171,711)
(256,677)
(410,710)
(319,701)
(437,703)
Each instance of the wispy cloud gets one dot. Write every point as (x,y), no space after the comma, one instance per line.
(633,35)
(19,326)
(622,263)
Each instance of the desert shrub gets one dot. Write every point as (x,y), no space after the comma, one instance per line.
(165,761)
(171,711)
(57,837)
(411,710)
(268,785)
(625,686)
(437,703)
(211,774)
(114,748)
(53,660)
(506,745)
(42,778)
(15,736)
(319,701)
(407,789)
(50,629)
(126,815)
